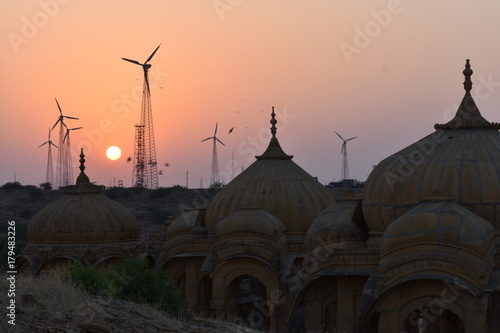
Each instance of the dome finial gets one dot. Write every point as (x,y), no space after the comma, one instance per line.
(273,124)
(467,73)
(82,161)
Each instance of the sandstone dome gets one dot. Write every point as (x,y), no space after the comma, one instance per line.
(438,238)
(461,159)
(275,184)
(83,216)
(250,220)
(331,223)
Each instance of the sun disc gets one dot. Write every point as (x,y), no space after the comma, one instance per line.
(113,153)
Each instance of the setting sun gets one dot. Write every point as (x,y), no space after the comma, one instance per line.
(113,153)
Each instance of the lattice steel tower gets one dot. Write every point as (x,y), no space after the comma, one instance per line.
(145,172)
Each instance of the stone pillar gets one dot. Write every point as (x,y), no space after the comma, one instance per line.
(313,316)
(495,310)
(191,287)
(388,322)
(475,322)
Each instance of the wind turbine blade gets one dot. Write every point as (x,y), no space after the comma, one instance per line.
(76,128)
(343,148)
(152,54)
(58,120)
(351,138)
(132,61)
(220,141)
(339,136)
(60,111)
(207,139)
(70,117)
(54,145)
(216,125)
(66,135)
(42,144)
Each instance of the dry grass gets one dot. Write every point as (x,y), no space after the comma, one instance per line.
(53,294)
(51,290)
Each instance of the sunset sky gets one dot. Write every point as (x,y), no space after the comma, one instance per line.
(384,71)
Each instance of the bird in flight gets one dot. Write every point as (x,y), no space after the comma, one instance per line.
(230,130)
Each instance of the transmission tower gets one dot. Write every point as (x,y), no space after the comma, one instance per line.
(139,171)
(145,173)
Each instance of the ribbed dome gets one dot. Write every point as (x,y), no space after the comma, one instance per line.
(461,158)
(329,225)
(83,215)
(250,220)
(275,184)
(438,238)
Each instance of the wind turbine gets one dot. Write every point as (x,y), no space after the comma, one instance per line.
(62,155)
(215,162)
(67,158)
(49,177)
(343,151)
(145,172)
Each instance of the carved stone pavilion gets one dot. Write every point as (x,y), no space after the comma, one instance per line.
(275,251)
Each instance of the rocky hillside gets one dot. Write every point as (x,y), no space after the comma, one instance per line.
(49,304)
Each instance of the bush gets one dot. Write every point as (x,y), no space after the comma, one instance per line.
(130,280)
(46,186)
(12,186)
(89,278)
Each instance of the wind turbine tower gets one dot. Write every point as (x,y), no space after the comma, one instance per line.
(62,167)
(49,177)
(145,173)
(214,178)
(343,151)
(67,156)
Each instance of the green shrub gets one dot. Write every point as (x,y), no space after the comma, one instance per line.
(89,278)
(130,280)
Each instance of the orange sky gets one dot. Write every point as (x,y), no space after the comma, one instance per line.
(384,71)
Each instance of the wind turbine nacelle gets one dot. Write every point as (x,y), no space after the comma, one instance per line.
(146,66)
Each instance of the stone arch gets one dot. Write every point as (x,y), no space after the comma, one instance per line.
(107,261)
(224,277)
(399,308)
(147,258)
(249,295)
(317,303)
(27,264)
(58,262)
(204,301)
